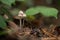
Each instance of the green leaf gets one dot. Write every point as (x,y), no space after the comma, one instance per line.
(31,11)
(45,11)
(8,2)
(2,22)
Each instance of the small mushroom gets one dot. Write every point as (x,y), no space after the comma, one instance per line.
(21,15)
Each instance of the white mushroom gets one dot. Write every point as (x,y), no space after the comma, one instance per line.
(21,15)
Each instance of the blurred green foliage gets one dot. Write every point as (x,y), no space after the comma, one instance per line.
(2,22)
(7,2)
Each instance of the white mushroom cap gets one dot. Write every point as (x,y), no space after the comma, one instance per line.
(21,14)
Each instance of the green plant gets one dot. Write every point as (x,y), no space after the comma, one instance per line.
(45,11)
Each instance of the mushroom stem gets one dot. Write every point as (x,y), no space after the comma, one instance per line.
(20,24)
(23,22)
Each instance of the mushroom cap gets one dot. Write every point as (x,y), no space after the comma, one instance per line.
(21,14)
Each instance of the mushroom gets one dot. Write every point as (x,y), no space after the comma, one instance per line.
(21,15)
